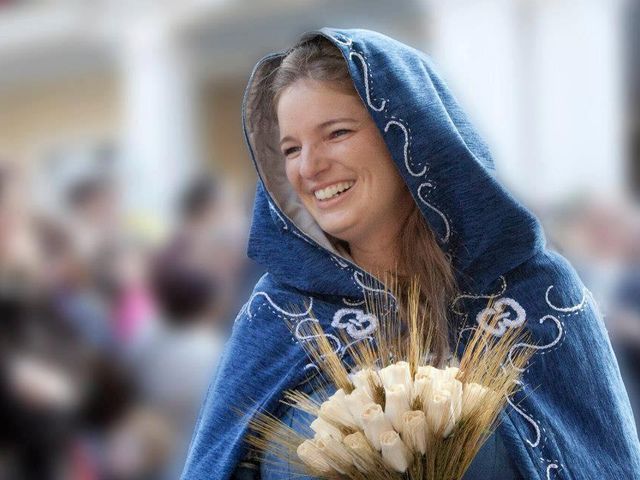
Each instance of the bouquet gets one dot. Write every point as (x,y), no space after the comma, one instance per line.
(396,414)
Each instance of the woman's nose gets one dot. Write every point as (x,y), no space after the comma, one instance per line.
(314,161)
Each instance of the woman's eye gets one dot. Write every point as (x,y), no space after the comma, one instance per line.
(289,151)
(340,132)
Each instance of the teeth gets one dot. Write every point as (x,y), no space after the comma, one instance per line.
(333,190)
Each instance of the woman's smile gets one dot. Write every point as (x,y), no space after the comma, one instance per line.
(330,196)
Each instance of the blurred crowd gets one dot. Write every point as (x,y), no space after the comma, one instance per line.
(108,340)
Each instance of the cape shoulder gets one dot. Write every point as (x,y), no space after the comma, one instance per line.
(571,417)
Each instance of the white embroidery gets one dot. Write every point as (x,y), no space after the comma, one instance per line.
(346,43)
(566,309)
(357,323)
(276,307)
(353,304)
(305,338)
(549,467)
(366,82)
(530,420)
(538,347)
(406,147)
(303,238)
(504,318)
(445,239)
(489,296)
(360,281)
(339,262)
(302,337)
(274,210)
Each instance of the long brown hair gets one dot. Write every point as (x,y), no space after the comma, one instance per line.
(419,257)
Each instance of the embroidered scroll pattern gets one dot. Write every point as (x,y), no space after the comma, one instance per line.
(356,322)
(511,314)
(359,326)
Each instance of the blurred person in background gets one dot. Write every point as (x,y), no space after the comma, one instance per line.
(137,446)
(54,385)
(19,260)
(67,280)
(213,228)
(94,214)
(177,356)
(123,278)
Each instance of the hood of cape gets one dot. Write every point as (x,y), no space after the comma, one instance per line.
(571,390)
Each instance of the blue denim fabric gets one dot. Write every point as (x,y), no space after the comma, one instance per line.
(571,418)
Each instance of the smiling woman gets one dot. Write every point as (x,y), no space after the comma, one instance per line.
(339,166)
(367,164)
(342,171)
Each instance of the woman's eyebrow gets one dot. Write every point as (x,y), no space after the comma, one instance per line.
(335,120)
(323,125)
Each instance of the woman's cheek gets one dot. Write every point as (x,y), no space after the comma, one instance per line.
(291,173)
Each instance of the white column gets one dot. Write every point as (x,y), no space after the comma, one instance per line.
(542,82)
(161,144)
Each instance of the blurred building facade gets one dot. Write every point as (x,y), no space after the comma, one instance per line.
(153,90)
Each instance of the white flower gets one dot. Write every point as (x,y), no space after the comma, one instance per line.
(422,388)
(356,402)
(335,410)
(361,451)
(363,378)
(322,427)
(395,452)
(397,373)
(439,413)
(375,423)
(428,372)
(451,372)
(397,402)
(472,396)
(454,387)
(414,430)
(313,457)
(334,452)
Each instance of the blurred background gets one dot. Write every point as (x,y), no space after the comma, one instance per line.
(126,192)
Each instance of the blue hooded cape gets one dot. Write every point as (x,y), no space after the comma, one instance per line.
(571,419)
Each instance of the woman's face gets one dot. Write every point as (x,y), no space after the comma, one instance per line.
(338,163)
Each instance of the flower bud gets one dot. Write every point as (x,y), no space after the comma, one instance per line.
(375,423)
(472,396)
(356,402)
(335,410)
(428,372)
(422,388)
(313,457)
(439,413)
(451,372)
(414,431)
(397,373)
(454,387)
(361,451)
(334,452)
(322,427)
(394,452)
(396,403)
(363,379)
